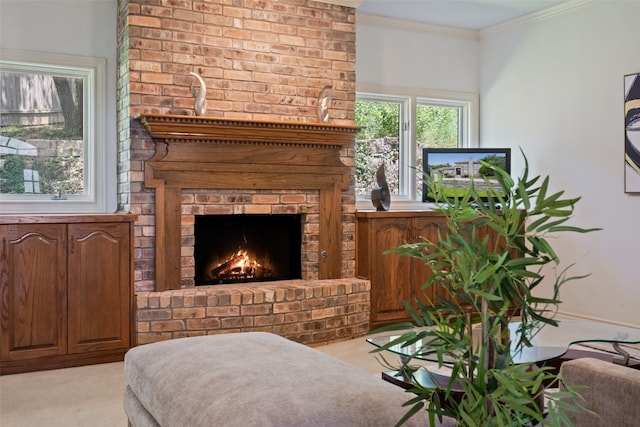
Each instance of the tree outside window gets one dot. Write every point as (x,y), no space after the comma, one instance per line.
(41,134)
(394,131)
(52,134)
(377,143)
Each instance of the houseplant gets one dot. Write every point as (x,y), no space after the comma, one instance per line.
(484,284)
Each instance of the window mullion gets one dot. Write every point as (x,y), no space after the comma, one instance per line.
(408,148)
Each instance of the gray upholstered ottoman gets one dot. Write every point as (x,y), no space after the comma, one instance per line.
(253,379)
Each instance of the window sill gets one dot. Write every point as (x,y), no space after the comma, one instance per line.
(398,205)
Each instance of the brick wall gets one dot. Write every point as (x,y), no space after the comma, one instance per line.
(261,60)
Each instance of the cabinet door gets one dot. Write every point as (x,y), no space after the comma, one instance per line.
(33,286)
(390,273)
(425,228)
(99,289)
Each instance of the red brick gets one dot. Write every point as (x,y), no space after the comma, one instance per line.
(189,313)
(163,314)
(297,317)
(323,313)
(286,307)
(224,311)
(144,21)
(167,325)
(207,324)
(256,309)
(288,329)
(236,322)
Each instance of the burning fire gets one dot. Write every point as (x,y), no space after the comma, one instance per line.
(243,264)
(239,266)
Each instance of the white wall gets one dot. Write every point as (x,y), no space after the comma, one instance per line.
(71,27)
(389,53)
(555,88)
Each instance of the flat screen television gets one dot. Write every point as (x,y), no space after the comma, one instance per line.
(458,166)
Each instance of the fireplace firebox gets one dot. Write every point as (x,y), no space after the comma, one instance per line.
(247,248)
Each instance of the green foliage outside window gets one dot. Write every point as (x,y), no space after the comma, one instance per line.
(59,173)
(437,126)
(377,119)
(11,175)
(379,143)
(376,143)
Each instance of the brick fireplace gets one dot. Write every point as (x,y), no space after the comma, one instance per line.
(264,63)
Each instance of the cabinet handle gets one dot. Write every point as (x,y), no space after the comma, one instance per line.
(73,246)
(4,247)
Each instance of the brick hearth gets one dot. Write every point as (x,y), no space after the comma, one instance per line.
(310,312)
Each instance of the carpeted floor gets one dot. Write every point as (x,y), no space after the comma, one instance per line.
(83,396)
(91,396)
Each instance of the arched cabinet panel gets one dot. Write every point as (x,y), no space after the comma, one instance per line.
(33,291)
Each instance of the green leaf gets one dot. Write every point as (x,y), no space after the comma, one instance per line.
(411,412)
(574,229)
(490,262)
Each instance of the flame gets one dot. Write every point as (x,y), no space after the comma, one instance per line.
(244,264)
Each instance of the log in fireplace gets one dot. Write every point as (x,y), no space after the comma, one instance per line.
(247,248)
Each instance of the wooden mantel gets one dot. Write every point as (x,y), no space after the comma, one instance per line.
(194,128)
(209,153)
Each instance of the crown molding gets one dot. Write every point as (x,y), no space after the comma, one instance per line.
(348,3)
(540,15)
(419,27)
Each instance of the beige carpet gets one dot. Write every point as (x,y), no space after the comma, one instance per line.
(91,396)
(83,396)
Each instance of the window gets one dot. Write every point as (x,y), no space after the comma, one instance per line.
(51,133)
(395,128)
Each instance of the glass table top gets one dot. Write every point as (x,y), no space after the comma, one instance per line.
(548,343)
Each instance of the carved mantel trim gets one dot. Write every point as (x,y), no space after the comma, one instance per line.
(208,153)
(198,128)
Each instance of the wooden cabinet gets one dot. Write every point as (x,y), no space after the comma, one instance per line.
(66,286)
(99,287)
(394,278)
(34,291)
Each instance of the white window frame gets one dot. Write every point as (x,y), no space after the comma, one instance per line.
(409,98)
(93,73)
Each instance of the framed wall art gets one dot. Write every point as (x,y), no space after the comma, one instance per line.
(632,133)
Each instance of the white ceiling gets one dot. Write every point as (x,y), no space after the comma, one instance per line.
(468,14)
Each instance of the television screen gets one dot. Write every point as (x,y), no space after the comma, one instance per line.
(459,166)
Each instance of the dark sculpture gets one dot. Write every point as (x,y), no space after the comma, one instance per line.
(381,196)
